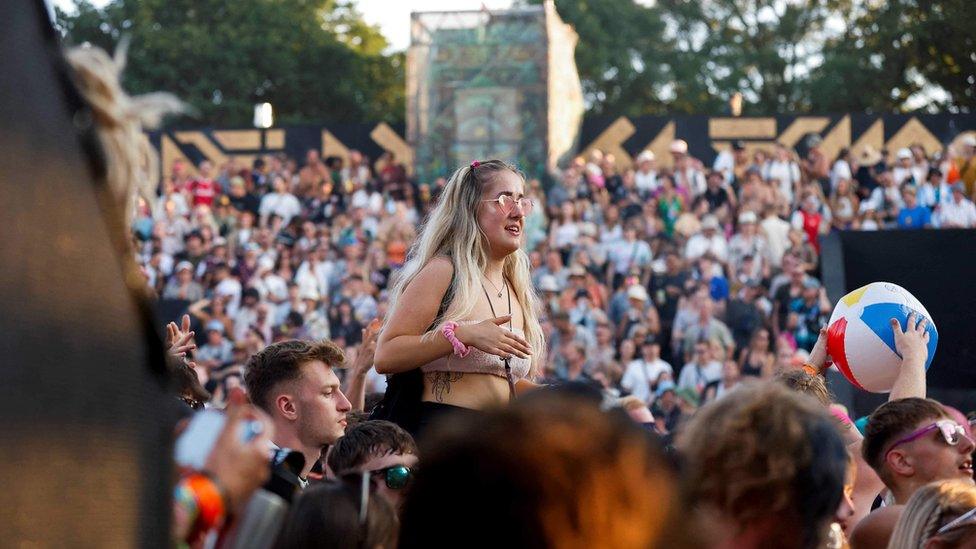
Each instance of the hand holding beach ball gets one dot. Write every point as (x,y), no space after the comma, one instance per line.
(861,337)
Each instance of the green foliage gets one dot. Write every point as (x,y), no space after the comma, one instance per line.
(314,60)
(784,56)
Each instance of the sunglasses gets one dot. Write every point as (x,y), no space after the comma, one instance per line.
(951,432)
(968,516)
(507,203)
(397,477)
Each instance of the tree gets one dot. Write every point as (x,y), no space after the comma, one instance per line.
(673,56)
(619,55)
(314,60)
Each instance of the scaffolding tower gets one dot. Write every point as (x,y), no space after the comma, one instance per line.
(492,84)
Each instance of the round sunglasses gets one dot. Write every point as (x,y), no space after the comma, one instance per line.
(397,477)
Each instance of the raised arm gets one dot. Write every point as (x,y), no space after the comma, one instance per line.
(912,345)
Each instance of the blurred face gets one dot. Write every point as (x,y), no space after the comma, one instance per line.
(930,458)
(320,405)
(730,370)
(700,354)
(651,352)
(206,169)
(910,200)
(502,228)
(214,337)
(846,508)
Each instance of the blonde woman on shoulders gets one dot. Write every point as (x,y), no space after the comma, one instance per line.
(462,310)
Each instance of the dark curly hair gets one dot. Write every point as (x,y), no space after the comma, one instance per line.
(282,362)
(766,454)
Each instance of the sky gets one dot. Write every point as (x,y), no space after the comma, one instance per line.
(392,16)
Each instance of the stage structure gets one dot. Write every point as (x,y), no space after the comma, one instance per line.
(484,84)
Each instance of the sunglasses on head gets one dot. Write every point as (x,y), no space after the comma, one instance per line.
(951,432)
(962,519)
(397,477)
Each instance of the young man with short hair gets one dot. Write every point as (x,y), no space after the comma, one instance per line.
(296,384)
(911,442)
(384,449)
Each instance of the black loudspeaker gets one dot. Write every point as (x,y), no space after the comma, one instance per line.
(86,424)
(937,266)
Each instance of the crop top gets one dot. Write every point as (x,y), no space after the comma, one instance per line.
(480,362)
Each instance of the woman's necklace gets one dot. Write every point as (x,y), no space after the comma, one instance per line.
(504,284)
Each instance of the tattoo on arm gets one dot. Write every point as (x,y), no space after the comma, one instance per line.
(440,383)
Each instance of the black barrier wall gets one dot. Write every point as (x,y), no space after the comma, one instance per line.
(939,268)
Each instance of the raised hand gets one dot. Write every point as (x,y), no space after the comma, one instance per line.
(241,466)
(911,344)
(179,339)
(491,338)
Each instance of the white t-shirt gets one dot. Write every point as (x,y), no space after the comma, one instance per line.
(640,375)
(699,245)
(696,377)
(646,182)
(958,214)
(284,205)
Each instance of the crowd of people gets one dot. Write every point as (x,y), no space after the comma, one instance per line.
(643,298)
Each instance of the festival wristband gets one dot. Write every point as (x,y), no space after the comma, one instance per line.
(460,349)
(209,498)
(812,370)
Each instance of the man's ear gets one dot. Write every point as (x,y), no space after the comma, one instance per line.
(284,404)
(900,463)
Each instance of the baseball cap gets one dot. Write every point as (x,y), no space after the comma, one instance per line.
(679,146)
(650,340)
(215,326)
(183,265)
(637,292)
(664,386)
(904,153)
(747,217)
(709,222)
(645,156)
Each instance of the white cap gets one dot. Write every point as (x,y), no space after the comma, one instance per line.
(747,217)
(548,283)
(709,222)
(679,146)
(968,140)
(904,153)
(637,292)
(645,156)
(183,265)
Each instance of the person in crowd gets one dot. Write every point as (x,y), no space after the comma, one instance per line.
(939,514)
(766,468)
(757,359)
(701,369)
(295,382)
(959,212)
(910,442)
(913,215)
(343,514)
(380,448)
(643,375)
(515,463)
(473,352)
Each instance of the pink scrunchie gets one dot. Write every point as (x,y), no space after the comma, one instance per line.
(460,349)
(475,164)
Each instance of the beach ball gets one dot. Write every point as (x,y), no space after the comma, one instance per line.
(860,339)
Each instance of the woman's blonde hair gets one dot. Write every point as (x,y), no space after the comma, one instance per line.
(452,230)
(930,508)
(131,163)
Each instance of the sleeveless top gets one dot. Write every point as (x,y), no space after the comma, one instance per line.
(480,362)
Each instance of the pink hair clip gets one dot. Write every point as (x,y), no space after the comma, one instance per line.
(475,164)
